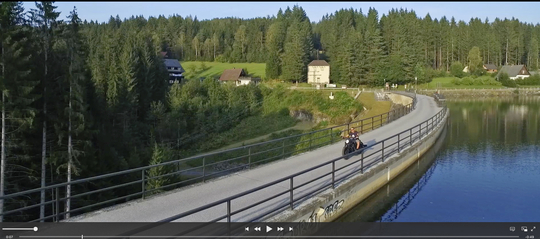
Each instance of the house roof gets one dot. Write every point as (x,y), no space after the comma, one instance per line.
(490,67)
(512,71)
(163,54)
(173,63)
(232,74)
(319,63)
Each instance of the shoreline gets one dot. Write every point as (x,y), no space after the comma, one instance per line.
(457,93)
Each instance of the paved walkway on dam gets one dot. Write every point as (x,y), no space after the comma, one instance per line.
(175,202)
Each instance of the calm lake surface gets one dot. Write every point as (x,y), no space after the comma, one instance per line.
(486,168)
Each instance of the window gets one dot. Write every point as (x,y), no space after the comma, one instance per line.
(176,68)
(523,72)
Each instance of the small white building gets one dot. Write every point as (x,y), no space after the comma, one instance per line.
(514,72)
(318,72)
(238,76)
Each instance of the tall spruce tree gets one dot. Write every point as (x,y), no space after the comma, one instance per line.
(374,45)
(44,18)
(15,84)
(76,106)
(274,46)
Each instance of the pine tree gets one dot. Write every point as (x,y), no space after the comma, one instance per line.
(374,45)
(274,46)
(297,48)
(76,108)
(15,84)
(45,19)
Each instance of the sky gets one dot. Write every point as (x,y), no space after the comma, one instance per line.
(102,11)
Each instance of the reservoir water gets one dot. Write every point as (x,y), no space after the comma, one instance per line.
(485,168)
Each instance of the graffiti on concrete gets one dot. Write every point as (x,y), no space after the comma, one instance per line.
(333,208)
(324,212)
(310,223)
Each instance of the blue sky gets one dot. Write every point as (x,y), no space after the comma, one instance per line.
(101,11)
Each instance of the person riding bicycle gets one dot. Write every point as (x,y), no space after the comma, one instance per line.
(354,134)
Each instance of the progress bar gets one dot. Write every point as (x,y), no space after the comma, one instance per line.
(270,236)
(20,229)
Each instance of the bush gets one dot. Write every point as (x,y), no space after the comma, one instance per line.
(431,73)
(467,81)
(506,81)
(220,58)
(479,72)
(456,69)
(532,80)
(486,80)
(456,81)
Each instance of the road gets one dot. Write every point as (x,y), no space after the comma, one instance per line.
(172,203)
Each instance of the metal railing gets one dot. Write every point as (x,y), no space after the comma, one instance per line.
(112,188)
(481,89)
(388,147)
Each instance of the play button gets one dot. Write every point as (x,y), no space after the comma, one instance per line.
(268,229)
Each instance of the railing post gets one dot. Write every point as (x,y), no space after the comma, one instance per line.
(331,135)
(291,193)
(410,137)
(229,211)
(362,163)
(398,139)
(382,152)
(203,169)
(249,156)
(362,126)
(420,131)
(283,148)
(143,177)
(57,204)
(381,122)
(372,122)
(333,174)
(310,138)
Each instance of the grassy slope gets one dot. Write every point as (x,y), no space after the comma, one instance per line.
(446,82)
(373,106)
(217,68)
(260,128)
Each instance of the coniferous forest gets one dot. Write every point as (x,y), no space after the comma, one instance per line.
(84,98)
